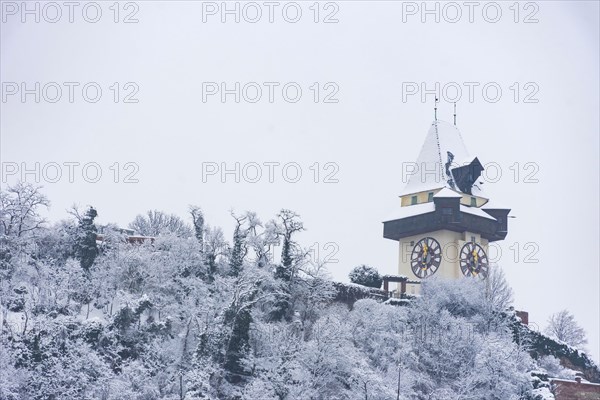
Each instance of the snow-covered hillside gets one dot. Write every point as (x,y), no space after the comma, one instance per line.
(192,316)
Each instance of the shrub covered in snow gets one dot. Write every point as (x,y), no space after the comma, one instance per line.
(366,276)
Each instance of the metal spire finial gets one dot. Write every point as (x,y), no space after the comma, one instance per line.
(435,109)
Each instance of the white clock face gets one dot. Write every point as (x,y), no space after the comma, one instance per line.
(474,261)
(426,257)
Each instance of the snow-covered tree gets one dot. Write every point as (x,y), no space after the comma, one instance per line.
(562,326)
(499,292)
(215,246)
(156,223)
(262,239)
(291,259)
(19,210)
(20,223)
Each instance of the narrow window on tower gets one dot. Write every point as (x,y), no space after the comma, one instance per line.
(473,202)
(430,197)
(413,200)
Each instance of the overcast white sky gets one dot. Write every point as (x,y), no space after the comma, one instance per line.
(374,51)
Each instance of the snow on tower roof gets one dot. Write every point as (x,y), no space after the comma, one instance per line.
(426,208)
(442,150)
(476,211)
(405,212)
(447,193)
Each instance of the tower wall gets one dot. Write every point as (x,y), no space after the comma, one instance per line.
(451,243)
(423,197)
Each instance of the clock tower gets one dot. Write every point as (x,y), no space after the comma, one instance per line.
(445,222)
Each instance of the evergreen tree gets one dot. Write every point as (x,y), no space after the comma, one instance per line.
(86,248)
(239,250)
(198,222)
(237,347)
(290,225)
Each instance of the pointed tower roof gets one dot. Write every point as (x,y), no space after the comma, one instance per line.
(443,192)
(443,151)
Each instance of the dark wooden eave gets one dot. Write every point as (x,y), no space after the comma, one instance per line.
(447,215)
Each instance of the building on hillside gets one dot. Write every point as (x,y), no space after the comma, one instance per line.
(578,389)
(106,232)
(110,228)
(445,221)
